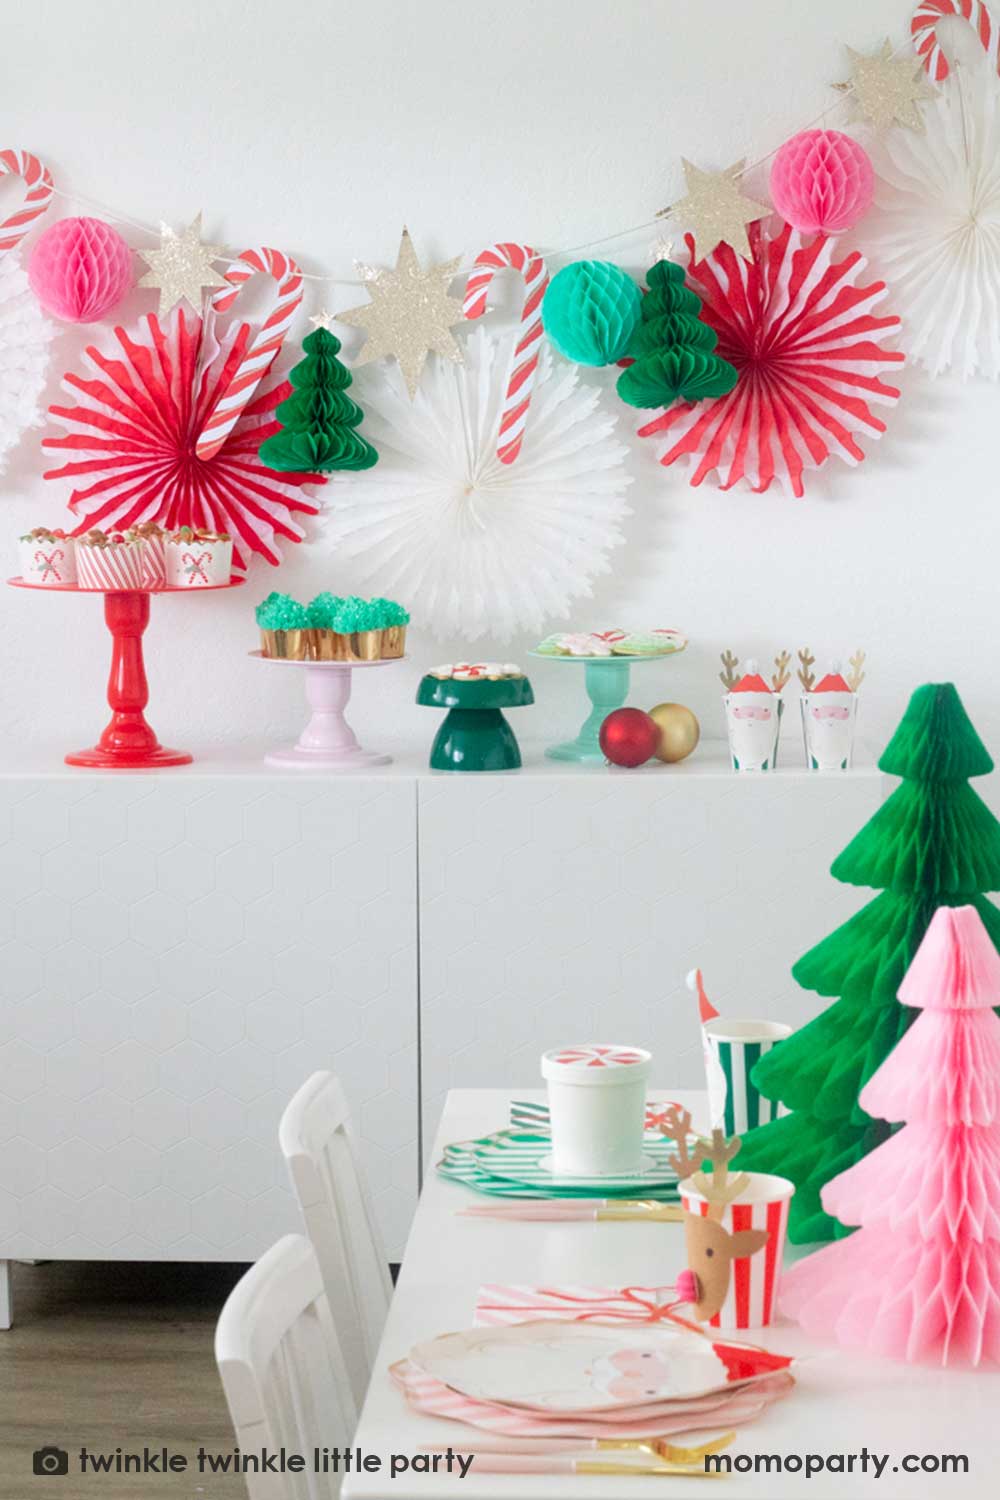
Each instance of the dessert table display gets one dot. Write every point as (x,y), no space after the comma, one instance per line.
(486,1276)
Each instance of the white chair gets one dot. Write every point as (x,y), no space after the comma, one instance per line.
(283,1373)
(318,1144)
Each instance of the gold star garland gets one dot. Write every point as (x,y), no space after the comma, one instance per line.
(410,314)
(714,209)
(885,90)
(182,267)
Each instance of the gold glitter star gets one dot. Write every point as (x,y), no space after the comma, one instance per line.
(182,266)
(715,210)
(409,315)
(886,90)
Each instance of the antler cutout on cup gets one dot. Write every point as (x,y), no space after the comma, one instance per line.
(711,1248)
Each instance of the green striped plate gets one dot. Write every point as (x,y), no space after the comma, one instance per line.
(459,1164)
(519,1156)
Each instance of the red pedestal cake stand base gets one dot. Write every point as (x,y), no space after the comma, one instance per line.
(128,742)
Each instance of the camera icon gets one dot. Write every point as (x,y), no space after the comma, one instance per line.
(49,1460)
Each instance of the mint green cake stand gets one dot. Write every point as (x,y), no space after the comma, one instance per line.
(606,679)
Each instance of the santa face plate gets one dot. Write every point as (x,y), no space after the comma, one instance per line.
(588,1367)
(828,722)
(752,721)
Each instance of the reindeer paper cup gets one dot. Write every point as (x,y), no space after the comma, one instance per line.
(828,723)
(753,721)
(597,1108)
(735,1251)
(732,1051)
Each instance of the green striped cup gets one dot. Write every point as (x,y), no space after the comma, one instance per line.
(732,1050)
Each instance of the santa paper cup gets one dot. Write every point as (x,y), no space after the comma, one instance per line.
(751,1296)
(828,723)
(597,1108)
(753,721)
(49,564)
(194,565)
(732,1051)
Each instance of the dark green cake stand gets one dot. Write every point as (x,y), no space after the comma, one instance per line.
(475,736)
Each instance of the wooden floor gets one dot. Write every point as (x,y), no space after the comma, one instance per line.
(113,1356)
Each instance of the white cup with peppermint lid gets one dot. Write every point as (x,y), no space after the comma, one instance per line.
(597,1108)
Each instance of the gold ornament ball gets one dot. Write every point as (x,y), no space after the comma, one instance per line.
(679,731)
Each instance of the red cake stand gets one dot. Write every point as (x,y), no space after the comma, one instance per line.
(128,742)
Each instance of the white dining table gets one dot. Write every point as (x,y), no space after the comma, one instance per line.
(844,1403)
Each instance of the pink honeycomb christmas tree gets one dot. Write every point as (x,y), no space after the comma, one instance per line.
(921,1279)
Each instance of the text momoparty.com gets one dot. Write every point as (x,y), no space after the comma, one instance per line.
(279,1461)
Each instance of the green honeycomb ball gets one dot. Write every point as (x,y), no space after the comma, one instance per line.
(590,312)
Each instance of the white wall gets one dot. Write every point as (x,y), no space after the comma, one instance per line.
(321,128)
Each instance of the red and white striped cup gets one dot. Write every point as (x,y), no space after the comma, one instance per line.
(752,1298)
(117,567)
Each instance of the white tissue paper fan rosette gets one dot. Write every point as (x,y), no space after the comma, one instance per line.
(475,547)
(934,233)
(25,336)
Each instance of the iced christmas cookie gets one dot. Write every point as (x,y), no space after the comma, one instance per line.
(47,557)
(650,643)
(198,559)
(579,643)
(476,671)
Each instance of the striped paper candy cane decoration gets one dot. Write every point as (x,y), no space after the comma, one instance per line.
(38,181)
(923,30)
(517,397)
(263,349)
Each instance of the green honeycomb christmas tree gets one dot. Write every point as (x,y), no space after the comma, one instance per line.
(933,843)
(319,418)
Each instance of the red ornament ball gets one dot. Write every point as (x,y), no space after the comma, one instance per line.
(629,737)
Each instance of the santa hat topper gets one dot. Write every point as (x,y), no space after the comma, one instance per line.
(834,681)
(750,679)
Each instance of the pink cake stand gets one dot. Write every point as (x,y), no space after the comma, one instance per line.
(328,743)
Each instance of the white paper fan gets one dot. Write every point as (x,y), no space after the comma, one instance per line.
(25,336)
(934,233)
(472,546)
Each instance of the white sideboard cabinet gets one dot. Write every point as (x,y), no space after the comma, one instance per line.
(180,950)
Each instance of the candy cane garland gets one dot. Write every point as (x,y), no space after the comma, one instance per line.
(923,30)
(517,397)
(38,180)
(262,350)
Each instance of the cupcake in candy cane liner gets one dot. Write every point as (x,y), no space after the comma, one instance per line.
(112,562)
(154,552)
(198,558)
(47,558)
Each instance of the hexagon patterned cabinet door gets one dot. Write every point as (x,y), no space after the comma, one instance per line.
(178,956)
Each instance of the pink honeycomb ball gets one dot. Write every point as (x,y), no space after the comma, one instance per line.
(822,182)
(79,269)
